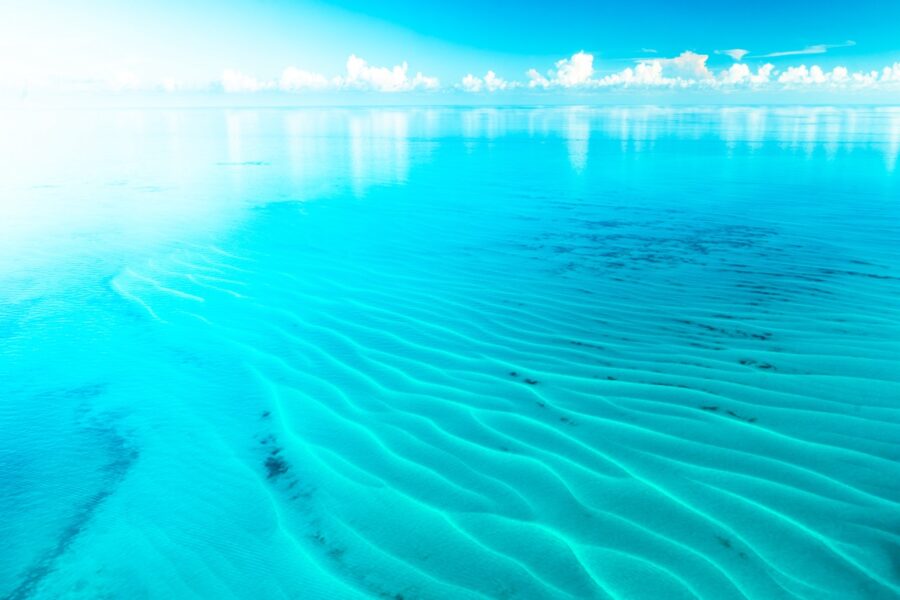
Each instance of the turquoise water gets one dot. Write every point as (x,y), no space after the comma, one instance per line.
(410,353)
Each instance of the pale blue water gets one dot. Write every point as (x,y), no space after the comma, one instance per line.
(418,354)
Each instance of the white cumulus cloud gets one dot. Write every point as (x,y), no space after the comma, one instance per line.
(891,73)
(236,82)
(646,73)
(580,71)
(690,64)
(690,70)
(740,73)
(470,83)
(535,79)
(361,75)
(569,72)
(840,77)
(803,76)
(687,69)
(294,79)
(490,82)
(576,70)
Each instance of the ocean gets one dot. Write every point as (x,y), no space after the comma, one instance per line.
(450,353)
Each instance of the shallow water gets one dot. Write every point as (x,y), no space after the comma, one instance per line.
(547,353)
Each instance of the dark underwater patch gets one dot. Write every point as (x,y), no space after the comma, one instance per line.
(123,457)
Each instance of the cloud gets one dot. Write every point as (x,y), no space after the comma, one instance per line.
(494,83)
(687,70)
(576,70)
(891,73)
(490,82)
(815,49)
(294,79)
(840,77)
(735,53)
(235,82)
(649,50)
(690,70)
(802,75)
(470,83)
(535,79)
(360,75)
(580,71)
(684,70)
(569,72)
(740,74)
(647,73)
(691,64)
(815,75)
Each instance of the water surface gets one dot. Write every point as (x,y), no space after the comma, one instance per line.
(415,353)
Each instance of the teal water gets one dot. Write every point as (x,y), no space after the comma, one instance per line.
(428,354)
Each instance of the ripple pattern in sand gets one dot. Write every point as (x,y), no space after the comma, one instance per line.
(606,405)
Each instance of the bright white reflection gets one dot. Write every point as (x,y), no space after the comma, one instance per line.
(483,123)
(578,135)
(77,182)
(743,126)
(308,144)
(133,177)
(892,145)
(241,126)
(379,149)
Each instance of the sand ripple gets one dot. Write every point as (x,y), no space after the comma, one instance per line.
(618,408)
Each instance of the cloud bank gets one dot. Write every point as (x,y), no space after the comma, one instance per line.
(579,73)
(359,75)
(691,70)
(490,83)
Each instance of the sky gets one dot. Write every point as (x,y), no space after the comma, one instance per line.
(467,51)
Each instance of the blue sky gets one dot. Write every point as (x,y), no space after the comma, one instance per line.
(561,50)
